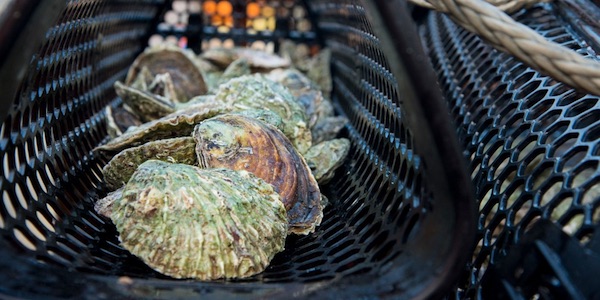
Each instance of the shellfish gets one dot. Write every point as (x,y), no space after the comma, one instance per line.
(241,143)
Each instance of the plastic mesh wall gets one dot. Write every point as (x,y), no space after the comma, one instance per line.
(532,142)
(377,235)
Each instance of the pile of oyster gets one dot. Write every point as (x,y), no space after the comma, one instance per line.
(215,158)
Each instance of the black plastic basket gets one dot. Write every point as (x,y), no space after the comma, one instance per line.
(401,219)
(534,155)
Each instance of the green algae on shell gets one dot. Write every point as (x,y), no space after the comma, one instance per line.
(206,224)
(145,105)
(177,124)
(257,92)
(326,157)
(119,169)
(242,143)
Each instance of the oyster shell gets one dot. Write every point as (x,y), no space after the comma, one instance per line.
(175,150)
(257,92)
(187,222)
(179,123)
(145,105)
(264,115)
(242,143)
(256,58)
(119,119)
(326,157)
(163,85)
(180,64)
(104,206)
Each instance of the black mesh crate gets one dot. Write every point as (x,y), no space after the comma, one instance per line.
(401,219)
(532,143)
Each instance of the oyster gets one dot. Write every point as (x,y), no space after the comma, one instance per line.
(319,71)
(187,222)
(324,158)
(177,124)
(145,105)
(187,79)
(257,92)
(237,68)
(104,206)
(328,128)
(118,119)
(242,143)
(176,150)
(256,58)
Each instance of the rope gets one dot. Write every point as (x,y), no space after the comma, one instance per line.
(502,32)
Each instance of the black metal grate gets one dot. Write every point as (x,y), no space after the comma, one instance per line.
(374,231)
(532,142)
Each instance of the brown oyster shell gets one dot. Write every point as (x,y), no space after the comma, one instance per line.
(326,157)
(145,105)
(187,79)
(328,128)
(242,143)
(175,150)
(187,222)
(319,71)
(179,123)
(257,92)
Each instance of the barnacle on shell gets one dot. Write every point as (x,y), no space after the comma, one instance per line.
(326,157)
(187,222)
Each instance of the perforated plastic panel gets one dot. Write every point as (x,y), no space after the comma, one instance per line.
(532,142)
(384,232)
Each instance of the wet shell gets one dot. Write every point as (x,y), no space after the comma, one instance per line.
(163,85)
(177,124)
(187,222)
(223,57)
(328,128)
(257,92)
(243,143)
(145,105)
(175,150)
(104,206)
(180,64)
(326,157)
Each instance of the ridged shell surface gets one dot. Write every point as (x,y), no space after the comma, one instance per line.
(187,222)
